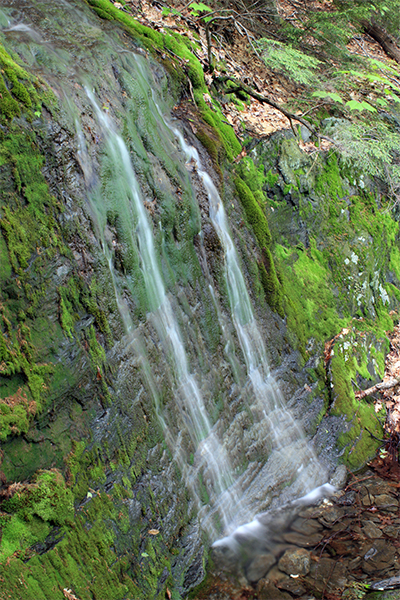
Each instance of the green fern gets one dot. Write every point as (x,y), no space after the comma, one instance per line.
(292,63)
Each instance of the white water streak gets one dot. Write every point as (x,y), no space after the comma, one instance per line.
(211,460)
(289,446)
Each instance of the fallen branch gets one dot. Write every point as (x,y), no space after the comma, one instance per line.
(383,385)
(239,86)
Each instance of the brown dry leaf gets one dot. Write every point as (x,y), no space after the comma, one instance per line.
(154,531)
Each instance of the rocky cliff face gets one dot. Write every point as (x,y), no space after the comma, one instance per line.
(94,497)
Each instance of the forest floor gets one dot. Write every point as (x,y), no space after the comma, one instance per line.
(237,57)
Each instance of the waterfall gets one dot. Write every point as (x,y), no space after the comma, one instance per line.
(211,456)
(289,445)
(235,495)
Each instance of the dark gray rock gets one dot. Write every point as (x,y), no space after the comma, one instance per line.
(378,556)
(259,567)
(295,562)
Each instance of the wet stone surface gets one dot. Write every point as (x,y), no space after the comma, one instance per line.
(331,551)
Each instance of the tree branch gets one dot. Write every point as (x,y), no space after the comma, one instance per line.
(291,116)
(384,39)
(383,385)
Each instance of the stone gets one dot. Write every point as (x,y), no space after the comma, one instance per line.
(378,487)
(327,574)
(370,530)
(292,585)
(330,514)
(259,567)
(305,541)
(391,531)
(386,502)
(339,477)
(386,584)
(377,556)
(269,592)
(348,498)
(295,562)
(367,500)
(306,526)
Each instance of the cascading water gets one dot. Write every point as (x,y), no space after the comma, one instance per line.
(211,458)
(289,446)
(235,494)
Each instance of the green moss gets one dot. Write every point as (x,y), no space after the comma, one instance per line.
(252,176)
(16,89)
(47,497)
(67,319)
(352,352)
(215,120)
(214,147)
(254,214)
(329,181)
(270,282)
(271,178)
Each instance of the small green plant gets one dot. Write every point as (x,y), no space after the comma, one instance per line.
(293,63)
(197,8)
(355,105)
(166,11)
(324,94)
(355,591)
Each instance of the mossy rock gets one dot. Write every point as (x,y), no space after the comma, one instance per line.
(254,213)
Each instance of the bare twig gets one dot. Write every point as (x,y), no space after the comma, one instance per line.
(383,385)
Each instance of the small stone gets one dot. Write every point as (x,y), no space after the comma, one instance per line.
(391,531)
(378,556)
(330,514)
(353,564)
(306,526)
(347,499)
(259,567)
(295,562)
(387,502)
(370,530)
(328,575)
(305,541)
(386,584)
(339,477)
(377,487)
(294,586)
(368,500)
(269,591)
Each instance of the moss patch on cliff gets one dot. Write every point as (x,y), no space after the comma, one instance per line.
(336,248)
(31,236)
(181,64)
(19,90)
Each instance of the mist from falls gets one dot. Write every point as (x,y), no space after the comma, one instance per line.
(227,494)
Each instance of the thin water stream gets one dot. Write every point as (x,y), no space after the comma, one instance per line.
(211,456)
(289,445)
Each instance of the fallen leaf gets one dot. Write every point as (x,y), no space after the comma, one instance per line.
(153,531)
